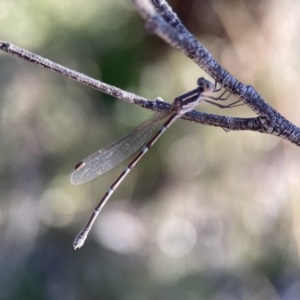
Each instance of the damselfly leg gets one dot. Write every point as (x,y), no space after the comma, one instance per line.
(222,97)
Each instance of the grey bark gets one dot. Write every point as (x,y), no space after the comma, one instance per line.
(162,21)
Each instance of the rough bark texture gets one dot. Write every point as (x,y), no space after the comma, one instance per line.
(162,21)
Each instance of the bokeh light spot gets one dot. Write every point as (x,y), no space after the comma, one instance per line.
(120,232)
(176,237)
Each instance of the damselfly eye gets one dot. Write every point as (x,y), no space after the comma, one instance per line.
(200,81)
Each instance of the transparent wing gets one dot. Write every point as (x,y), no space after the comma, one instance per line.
(113,154)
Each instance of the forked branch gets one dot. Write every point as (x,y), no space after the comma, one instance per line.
(157,105)
(162,21)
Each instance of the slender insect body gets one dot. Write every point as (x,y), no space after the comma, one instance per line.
(145,149)
(110,191)
(119,150)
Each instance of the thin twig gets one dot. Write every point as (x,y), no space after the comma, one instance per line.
(96,84)
(159,105)
(169,28)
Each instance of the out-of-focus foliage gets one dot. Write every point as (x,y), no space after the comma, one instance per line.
(205,215)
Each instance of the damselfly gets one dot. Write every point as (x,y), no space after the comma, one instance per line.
(113,154)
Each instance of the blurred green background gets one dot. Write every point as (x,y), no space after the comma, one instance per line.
(205,215)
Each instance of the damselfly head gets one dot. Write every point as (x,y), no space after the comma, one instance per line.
(206,85)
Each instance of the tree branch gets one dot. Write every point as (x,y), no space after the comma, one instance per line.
(163,22)
(158,105)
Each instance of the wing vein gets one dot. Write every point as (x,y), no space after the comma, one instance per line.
(110,156)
